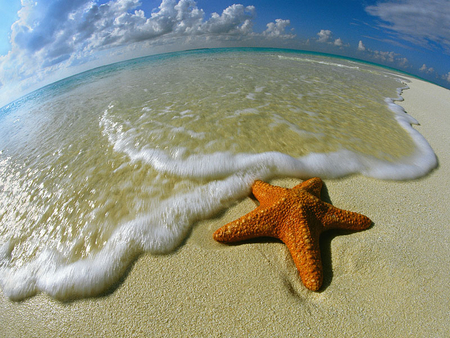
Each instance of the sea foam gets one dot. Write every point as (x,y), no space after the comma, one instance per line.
(220,179)
(162,229)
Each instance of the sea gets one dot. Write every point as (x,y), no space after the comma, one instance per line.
(121,160)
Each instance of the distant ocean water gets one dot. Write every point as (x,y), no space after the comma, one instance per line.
(102,166)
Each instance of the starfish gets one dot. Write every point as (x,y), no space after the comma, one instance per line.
(297,217)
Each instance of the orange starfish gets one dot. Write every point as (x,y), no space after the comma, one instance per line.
(297,217)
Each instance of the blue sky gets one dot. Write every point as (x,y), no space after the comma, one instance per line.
(42,41)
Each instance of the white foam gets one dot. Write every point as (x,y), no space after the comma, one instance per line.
(158,231)
(164,227)
(246,111)
(278,120)
(281,57)
(344,162)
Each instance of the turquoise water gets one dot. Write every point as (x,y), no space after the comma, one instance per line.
(124,159)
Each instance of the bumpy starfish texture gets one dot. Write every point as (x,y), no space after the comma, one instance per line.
(297,217)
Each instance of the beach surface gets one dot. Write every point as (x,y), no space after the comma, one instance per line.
(390,280)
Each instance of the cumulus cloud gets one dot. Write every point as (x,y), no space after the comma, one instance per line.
(427,70)
(52,34)
(383,56)
(403,62)
(361,46)
(235,19)
(277,29)
(389,57)
(324,35)
(338,42)
(422,23)
(446,77)
(112,24)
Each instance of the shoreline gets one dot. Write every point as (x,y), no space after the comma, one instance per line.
(389,280)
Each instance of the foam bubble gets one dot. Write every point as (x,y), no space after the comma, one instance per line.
(221,178)
(163,228)
(158,231)
(281,57)
(327,165)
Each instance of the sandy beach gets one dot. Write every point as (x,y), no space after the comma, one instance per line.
(390,280)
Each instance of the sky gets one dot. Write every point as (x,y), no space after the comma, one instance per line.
(42,41)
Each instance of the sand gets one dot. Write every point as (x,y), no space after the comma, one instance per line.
(390,280)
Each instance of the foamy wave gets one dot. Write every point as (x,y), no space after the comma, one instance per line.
(222,164)
(158,231)
(281,57)
(327,165)
(164,227)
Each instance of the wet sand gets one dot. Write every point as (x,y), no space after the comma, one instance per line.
(390,280)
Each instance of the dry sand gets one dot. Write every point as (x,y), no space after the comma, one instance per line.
(389,281)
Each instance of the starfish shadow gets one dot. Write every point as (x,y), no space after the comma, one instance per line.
(325,249)
(325,244)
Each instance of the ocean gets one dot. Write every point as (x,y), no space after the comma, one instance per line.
(124,159)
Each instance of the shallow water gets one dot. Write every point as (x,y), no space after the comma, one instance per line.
(124,159)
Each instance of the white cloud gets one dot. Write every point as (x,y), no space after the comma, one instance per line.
(402,62)
(383,57)
(446,77)
(361,46)
(425,69)
(389,57)
(424,23)
(235,19)
(324,35)
(51,35)
(277,29)
(338,42)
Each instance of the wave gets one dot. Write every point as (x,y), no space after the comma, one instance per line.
(222,178)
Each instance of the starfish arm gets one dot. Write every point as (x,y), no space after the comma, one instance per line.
(258,223)
(305,253)
(336,218)
(313,186)
(266,193)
